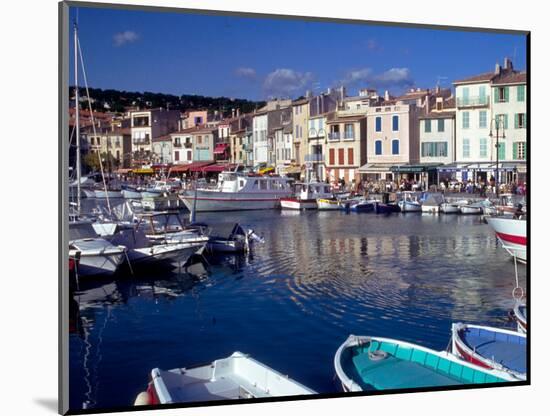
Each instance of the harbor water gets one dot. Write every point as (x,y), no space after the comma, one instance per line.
(292,301)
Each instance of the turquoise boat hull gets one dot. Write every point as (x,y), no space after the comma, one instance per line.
(367,363)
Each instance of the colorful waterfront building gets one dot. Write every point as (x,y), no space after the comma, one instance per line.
(437,141)
(147,125)
(393,145)
(485,102)
(300,116)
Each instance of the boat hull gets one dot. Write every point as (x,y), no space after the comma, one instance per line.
(512,234)
(108,194)
(381,208)
(128,194)
(235,377)
(358,364)
(430,209)
(475,348)
(298,204)
(408,206)
(466,210)
(327,205)
(209,201)
(447,208)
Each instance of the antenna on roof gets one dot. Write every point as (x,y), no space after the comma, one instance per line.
(439,78)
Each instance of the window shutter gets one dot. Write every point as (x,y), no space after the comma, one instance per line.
(515,150)
(525,150)
(496,95)
(501,151)
(516,121)
(506,92)
(525,120)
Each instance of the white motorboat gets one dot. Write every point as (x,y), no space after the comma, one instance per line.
(449,208)
(432,203)
(142,249)
(235,377)
(307,195)
(97,256)
(236,191)
(512,233)
(409,202)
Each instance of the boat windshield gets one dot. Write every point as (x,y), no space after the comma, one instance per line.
(80,230)
(165,223)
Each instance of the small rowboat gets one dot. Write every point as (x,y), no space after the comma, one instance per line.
(373,363)
(470,210)
(235,377)
(520,316)
(327,204)
(491,348)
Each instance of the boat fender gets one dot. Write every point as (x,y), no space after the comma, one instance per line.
(142,399)
(377,355)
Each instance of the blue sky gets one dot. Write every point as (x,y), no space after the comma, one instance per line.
(257,58)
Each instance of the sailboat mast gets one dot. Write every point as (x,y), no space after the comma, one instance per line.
(77,120)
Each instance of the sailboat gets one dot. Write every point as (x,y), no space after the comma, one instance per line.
(97,256)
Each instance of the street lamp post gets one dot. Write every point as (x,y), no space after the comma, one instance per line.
(498,126)
(317,134)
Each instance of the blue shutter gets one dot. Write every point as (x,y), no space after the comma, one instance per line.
(378,145)
(378,123)
(395,147)
(395,123)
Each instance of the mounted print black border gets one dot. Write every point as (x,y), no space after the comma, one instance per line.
(63,284)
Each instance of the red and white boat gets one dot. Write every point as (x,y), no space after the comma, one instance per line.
(512,233)
(308,193)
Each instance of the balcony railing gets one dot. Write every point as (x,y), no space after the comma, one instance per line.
(314,157)
(141,141)
(472,101)
(188,145)
(334,135)
(177,144)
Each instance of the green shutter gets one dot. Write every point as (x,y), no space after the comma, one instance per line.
(525,152)
(502,151)
(506,92)
(521,93)
(525,121)
(516,121)
(495,95)
(515,151)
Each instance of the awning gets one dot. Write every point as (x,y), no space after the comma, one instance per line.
(293,170)
(190,167)
(147,171)
(220,148)
(375,168)
(218,168)
(123,171)
(417,168)
(160,166)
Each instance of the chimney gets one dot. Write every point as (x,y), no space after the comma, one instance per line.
(497,69)
(508,64)
(232,113)
(329,90)
(342,93)
(386,95)
(238,112)
(437,89)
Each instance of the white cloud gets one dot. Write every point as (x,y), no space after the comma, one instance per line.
(374,46)
(396,78)
(245,72)
(284,82)
(122,38)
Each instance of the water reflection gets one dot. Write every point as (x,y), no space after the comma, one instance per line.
(319,277)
